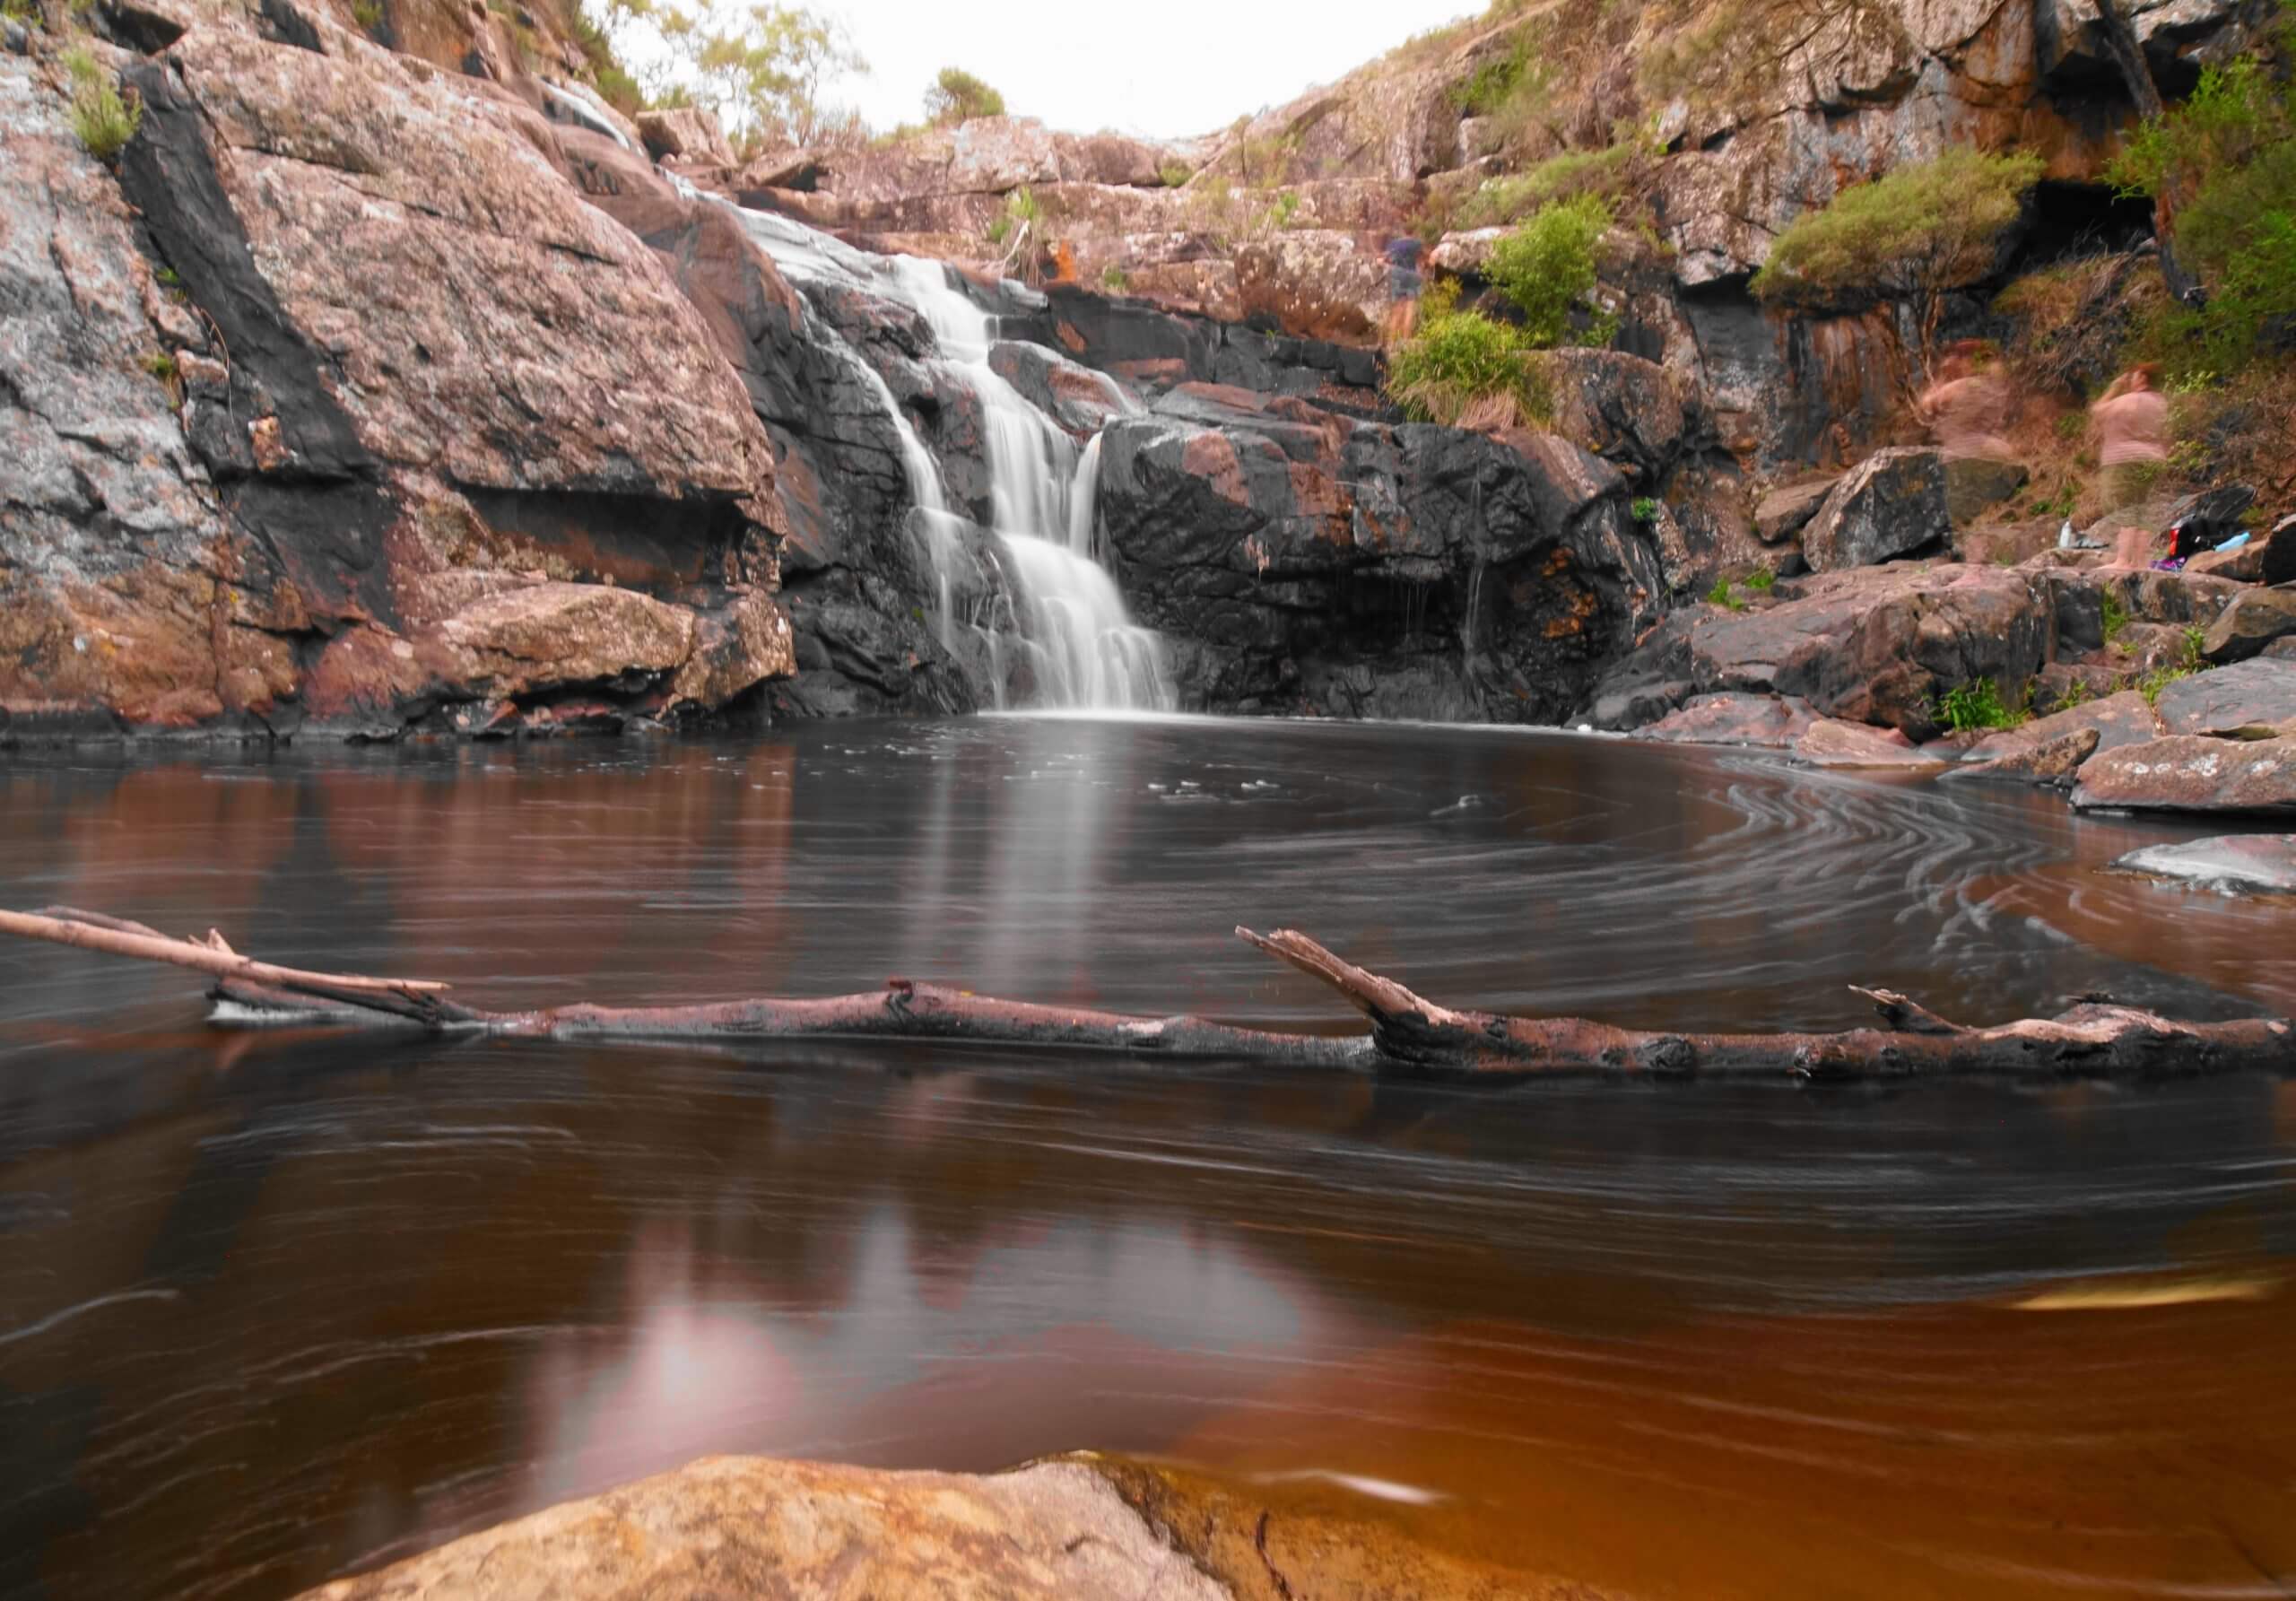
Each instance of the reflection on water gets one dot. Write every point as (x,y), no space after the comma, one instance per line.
(273,1307)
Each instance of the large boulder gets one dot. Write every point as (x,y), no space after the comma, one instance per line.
(1975,484)
(2250,695)
(2252,621)
(1086,1526)
(1784,512)
(685,134)
(1878,645)
(1891,504)
(2189,773)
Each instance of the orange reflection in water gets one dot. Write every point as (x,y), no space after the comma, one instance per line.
(1958,1451)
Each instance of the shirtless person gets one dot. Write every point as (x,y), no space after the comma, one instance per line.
(2132,423)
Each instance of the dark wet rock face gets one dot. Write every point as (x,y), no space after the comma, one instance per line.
(854,578)
(1297,560)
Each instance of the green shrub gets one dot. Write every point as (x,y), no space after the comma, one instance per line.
(1915,233)
(367,14)
(2112,612)
(1174,173)
(2150,685)
(1722,596)
(2190,648)
(1761,580)
(1488,88)
(957,96)
(102,121)
(1023,211)
(1501,201)
(1644,511)
(1976,705)
(2077,693)
(1463,367)
(2228,157)
(161,365)
(1546,266)
(1114,279)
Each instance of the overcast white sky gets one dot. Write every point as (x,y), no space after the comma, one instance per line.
(1161,67)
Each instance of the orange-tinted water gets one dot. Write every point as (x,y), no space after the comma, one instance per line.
(275,1307)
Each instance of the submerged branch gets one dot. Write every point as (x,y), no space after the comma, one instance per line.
(1408,1033)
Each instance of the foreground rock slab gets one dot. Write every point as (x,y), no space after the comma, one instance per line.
(731,1525)
(1080,1527)
(2228,863)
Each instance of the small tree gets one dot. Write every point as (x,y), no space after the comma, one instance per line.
(1914,234)
(762,68)
(1547,265)
(2230,154)
(957,96)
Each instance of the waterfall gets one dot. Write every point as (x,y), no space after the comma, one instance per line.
(1087,650)
(1065,617)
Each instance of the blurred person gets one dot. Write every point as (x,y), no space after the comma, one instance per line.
(1403,288)
(2131,419)
(1968,407)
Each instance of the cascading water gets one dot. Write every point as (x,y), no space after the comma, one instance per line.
(1083,648)
(1087,651)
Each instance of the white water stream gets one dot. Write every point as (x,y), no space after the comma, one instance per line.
(1083,648)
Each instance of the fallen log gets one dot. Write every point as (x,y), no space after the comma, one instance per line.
(1407,1034)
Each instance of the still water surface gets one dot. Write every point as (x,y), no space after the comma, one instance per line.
(278,1306)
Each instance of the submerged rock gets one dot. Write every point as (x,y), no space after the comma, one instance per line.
(2228,863)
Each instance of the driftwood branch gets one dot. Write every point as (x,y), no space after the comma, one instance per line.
(1408,1034)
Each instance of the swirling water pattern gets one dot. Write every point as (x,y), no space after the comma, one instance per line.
(274,1308)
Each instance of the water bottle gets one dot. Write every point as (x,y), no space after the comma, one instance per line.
(2065,535)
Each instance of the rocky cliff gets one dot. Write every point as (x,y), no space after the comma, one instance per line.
(383,383)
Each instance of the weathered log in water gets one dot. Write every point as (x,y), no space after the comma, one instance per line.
(1408,1034)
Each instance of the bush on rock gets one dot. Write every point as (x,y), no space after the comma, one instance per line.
(1915,234)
